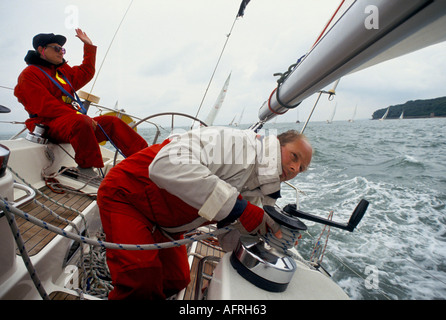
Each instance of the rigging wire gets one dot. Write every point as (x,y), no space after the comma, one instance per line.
(5,206)
(4,87)
(328,23)
(111,42)
(216,66)
(240,13)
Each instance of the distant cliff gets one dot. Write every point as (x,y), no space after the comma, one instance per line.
(415,109)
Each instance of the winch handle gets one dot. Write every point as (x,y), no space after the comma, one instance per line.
(355,218)
(357,214)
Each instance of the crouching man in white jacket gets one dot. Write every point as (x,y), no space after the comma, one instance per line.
(208,175)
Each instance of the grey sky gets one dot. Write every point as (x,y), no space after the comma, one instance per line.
(165,51)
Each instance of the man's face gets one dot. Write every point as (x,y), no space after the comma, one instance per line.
(52,52)
(296,157)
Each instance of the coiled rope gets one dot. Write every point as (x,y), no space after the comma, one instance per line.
(288,241)
(284,245)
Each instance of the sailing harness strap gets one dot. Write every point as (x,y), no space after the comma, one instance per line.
(76,102)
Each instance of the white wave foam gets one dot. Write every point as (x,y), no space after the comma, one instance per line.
(400,235)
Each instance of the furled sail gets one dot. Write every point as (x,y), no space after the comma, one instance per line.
(367,32)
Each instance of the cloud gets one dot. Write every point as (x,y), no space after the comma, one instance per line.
(165,51)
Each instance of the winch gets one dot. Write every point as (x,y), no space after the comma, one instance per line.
(269,269)
(37,136)
(261,267)
(256,262)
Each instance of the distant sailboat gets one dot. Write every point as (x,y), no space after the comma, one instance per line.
(217,105)
(232,121)
(354,114)
(235,124)
(402,115)
(332,114)
(385,114)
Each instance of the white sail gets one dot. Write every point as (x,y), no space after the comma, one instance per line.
(385,114)
(240,118)
(218,103)
(367,32)
(332,114)
(232,121)
(354,114)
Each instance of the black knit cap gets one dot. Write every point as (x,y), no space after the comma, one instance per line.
(42,39)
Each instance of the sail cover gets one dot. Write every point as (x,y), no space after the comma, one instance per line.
(366,32)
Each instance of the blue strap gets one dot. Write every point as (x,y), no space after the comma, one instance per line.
(76,98)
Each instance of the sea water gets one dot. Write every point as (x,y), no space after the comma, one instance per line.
(398,250)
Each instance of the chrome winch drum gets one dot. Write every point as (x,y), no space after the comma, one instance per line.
(261,267)
(37,136)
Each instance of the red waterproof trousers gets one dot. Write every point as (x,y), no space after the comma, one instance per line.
(132,209)
(77,129)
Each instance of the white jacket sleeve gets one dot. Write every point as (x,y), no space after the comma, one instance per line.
(193,167)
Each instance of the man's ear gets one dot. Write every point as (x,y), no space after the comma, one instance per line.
(40,49)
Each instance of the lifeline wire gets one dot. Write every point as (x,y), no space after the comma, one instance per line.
(288,240)
(80,214)
(108,245)
(289,237)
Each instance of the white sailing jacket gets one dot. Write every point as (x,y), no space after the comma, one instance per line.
(208,167)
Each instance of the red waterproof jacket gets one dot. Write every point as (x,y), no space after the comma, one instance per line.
(42,99)
(132,209)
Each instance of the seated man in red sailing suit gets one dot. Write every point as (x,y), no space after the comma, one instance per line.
(204,176)
(48,105)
